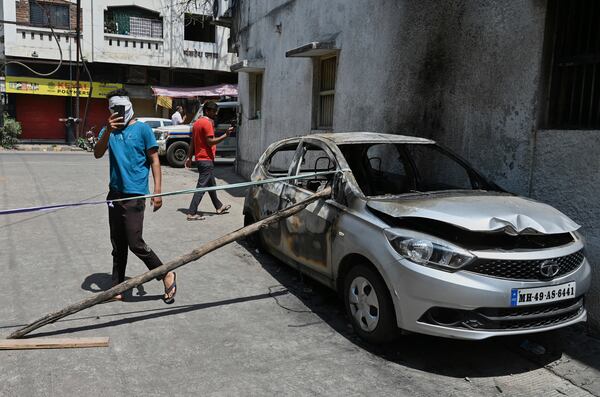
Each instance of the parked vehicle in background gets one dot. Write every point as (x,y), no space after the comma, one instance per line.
(414,238)
(174,141)
(155,122)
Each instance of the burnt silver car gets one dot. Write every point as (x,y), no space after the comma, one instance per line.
(414,238)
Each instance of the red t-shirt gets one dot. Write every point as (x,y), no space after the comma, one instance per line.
(202,129)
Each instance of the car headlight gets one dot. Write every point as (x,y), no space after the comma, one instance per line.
(161,135)
(429,252)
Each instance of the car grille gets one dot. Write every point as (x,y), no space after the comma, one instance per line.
(506,319)
(525,269)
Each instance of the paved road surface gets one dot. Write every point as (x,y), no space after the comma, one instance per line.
(242,323)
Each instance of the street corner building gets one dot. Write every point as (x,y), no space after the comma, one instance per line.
(124,44)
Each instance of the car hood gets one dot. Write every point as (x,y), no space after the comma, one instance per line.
(175,128)
(480,213)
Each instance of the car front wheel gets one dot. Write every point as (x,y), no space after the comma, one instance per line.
(177,153)
(369,306)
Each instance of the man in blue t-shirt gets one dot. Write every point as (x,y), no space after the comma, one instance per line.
(132,153)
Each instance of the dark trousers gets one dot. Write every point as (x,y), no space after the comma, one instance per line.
(126,220)
(205,179)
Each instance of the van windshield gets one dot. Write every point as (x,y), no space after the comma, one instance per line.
(392,169)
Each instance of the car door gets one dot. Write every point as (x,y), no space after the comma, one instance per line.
(306,237)
(267,196)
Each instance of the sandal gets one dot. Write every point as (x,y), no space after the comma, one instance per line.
(168,300)
(224,209)
(195,217)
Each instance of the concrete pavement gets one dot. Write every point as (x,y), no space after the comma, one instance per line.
(242,323)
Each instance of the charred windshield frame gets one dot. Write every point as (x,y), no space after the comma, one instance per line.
(356,157)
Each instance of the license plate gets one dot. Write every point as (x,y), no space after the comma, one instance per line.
(536,296)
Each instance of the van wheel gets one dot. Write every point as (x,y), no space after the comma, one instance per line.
(369,305)
(177,153)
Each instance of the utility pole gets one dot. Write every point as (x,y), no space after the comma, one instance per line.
(77,50)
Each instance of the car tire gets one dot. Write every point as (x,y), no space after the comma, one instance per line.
(369,305)
(177,153)
(254,240)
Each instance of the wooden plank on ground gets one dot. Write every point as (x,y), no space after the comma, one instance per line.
(52,343)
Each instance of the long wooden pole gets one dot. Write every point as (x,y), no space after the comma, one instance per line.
(167,267)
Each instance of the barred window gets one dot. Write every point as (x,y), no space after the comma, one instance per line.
(574,83)
(58,13)
(199,28)
(326,91)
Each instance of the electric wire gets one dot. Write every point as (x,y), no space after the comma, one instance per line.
(57,42)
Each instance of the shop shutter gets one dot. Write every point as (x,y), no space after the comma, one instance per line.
(39,114)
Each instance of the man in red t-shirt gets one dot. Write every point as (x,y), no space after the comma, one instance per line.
(204,147)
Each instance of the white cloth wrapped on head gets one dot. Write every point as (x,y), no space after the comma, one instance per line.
(121,100)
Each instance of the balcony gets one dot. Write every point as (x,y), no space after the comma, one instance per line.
(34,42)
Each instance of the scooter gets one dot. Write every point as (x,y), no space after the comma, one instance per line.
(90,139)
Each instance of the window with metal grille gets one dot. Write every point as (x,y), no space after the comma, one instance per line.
(199,28)
(326,91)
(58,13)
(256,82)
(574,83)
(133,21)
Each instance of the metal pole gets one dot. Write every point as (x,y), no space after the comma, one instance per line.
(78,38)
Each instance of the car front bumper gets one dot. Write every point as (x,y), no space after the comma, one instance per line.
(162,147)
(418,291)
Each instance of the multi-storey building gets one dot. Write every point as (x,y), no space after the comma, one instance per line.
(133,44)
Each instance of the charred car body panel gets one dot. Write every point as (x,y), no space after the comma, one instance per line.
(458,256)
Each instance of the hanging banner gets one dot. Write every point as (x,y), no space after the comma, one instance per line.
(38,86)
(164,101)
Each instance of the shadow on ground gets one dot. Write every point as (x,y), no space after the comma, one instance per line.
(99,282)
(448,357)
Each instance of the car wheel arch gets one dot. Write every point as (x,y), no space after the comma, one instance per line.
(351,260)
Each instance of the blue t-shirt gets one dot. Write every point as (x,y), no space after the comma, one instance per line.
(129,165)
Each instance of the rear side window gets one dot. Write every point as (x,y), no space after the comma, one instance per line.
(167,123)
(279,162)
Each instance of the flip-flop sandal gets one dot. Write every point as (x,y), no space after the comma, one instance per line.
(224,209)
(195,218)
(173,286)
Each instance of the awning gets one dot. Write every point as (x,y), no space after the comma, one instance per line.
(313,49)
(192,92)
(249,66)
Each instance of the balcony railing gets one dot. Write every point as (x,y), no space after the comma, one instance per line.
(132,42)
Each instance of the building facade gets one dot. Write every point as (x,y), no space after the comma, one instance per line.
(513,87)
(134,44)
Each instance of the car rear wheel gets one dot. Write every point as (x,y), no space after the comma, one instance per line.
(177,153)
(369,305)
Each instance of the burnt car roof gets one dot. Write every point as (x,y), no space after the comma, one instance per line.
(366,137)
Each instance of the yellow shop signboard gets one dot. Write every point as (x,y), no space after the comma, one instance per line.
(37,86)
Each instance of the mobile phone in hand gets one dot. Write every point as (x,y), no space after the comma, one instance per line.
(120,110)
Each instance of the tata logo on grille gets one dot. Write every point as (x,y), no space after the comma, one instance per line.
(549,269)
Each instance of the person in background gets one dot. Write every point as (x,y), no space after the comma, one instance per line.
(203,146)
(132,152)
(177,117)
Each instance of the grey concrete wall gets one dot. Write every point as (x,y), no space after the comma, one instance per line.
(466,73)
(567,175)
